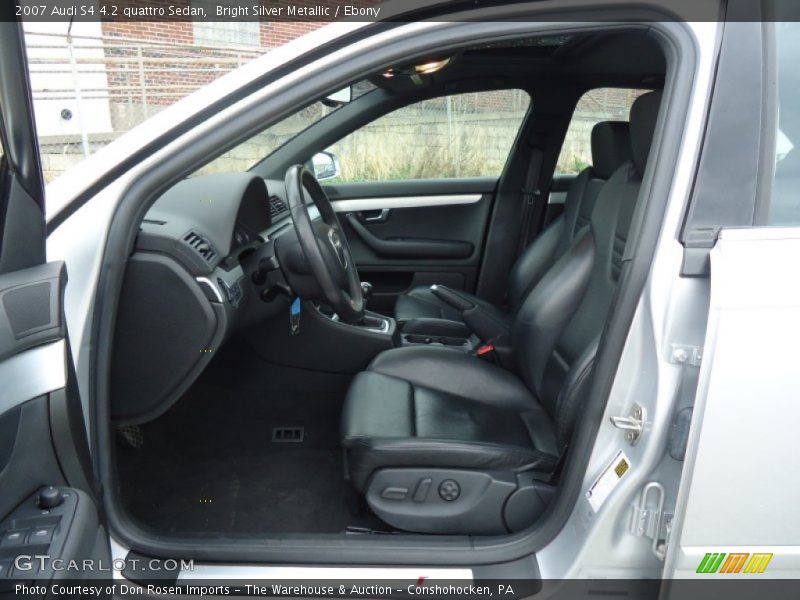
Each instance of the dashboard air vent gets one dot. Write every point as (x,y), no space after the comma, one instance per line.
(200,245)
(276,206)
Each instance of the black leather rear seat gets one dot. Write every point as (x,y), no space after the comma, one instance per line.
(420,311)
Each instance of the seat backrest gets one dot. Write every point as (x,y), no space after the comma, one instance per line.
(610,149)
(555,331)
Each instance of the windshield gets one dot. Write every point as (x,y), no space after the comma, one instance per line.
(245,155)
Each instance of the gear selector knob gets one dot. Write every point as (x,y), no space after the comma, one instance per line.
(366,289)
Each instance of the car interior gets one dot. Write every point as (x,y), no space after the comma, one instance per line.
(300,354)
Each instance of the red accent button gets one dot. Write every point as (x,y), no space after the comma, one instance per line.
(485,349)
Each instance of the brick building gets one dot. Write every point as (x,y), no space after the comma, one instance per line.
(107,76)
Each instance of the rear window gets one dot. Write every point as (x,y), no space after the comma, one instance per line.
(601,104)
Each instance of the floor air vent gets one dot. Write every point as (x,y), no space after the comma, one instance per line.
(287,434)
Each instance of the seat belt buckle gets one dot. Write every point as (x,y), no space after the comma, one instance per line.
(486,351)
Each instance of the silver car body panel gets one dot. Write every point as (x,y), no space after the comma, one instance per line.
(741,484)
(32,373)
(404,202)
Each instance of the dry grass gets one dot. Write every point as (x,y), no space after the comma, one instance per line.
(423,152)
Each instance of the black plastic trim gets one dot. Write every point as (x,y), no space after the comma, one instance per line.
(730,168)
(410,247)
(36,317)
(17,124)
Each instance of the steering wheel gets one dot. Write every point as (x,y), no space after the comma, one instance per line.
(324,245)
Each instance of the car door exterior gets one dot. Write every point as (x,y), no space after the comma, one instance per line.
(736,515)
(48,504)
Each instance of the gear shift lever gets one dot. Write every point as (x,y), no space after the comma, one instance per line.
(366,289)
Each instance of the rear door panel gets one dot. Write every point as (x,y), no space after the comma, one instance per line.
(415,232)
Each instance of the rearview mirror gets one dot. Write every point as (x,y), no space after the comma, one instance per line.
(326,165)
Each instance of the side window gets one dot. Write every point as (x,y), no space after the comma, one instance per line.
(785,205)
(601,104)
(463,135)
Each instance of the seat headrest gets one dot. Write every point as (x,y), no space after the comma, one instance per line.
(644,114)
(611,147)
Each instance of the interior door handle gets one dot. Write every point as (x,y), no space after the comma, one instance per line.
(375,216)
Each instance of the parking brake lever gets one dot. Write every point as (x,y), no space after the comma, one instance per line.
(454,299)
(481,321)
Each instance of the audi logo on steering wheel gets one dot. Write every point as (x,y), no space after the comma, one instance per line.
(338,248)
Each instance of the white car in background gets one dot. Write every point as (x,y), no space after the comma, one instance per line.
(548,377)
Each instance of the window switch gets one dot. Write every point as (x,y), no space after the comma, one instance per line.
(14,537)
(5,567)
(41,535)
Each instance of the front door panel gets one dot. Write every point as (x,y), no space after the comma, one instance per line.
(48,505)
(412,233)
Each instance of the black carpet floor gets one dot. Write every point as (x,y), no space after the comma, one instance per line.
(209,464)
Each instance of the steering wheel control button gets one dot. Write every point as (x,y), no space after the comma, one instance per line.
(423,487)
(394,493)
(15,537)
(50,497)
(449,490)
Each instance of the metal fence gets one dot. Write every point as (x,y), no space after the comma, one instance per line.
(88,90)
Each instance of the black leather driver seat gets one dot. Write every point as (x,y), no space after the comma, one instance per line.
(420,311)
(441,441)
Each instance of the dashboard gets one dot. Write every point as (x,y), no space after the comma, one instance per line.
(186,287)
(207,220)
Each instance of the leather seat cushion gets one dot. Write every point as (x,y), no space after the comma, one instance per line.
(434,407)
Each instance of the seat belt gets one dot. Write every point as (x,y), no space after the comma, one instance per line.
(555,474)
(530,196)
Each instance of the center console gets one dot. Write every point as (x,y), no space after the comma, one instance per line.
(418,339)
(316,338)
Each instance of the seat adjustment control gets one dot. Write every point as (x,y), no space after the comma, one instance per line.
(394,493)
(422,490)
(449,490)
